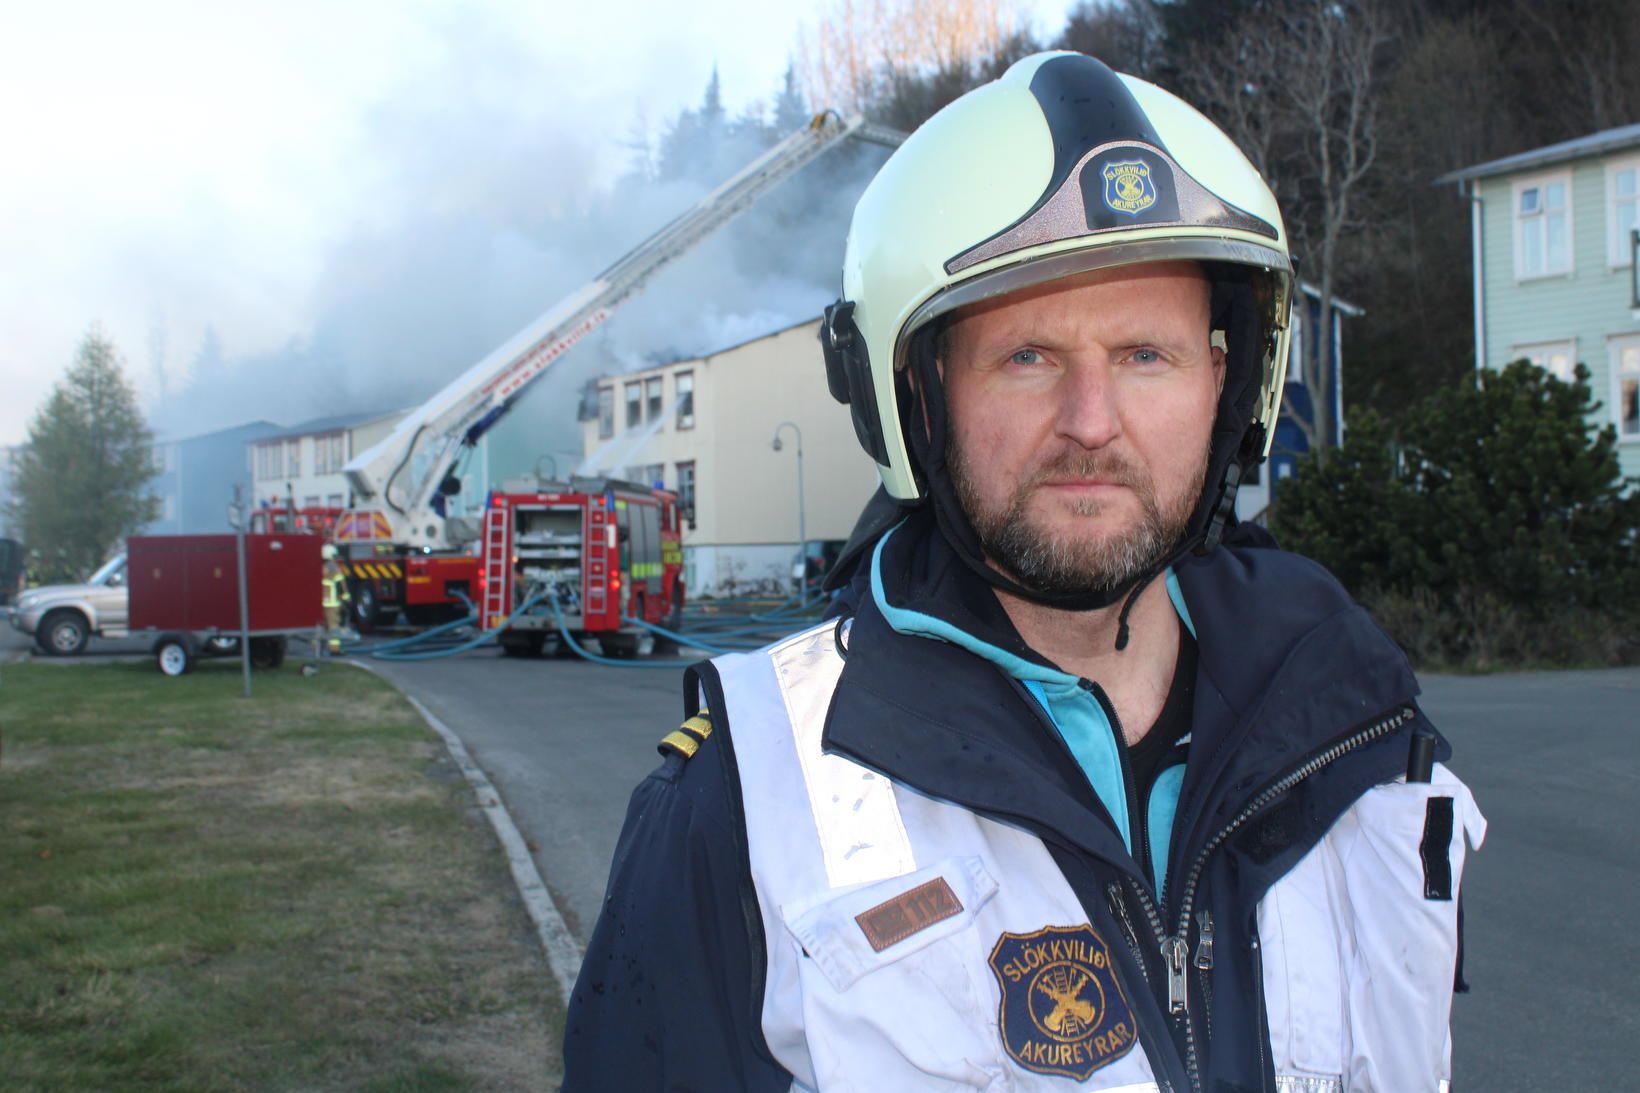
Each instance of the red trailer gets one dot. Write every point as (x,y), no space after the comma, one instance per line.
(185,590)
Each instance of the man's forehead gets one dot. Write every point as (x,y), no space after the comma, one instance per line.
(1158,279)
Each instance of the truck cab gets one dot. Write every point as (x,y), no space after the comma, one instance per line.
(62,617)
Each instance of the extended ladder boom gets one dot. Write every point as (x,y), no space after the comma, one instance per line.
(403,476)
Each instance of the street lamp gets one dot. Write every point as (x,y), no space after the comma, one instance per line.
(802,515)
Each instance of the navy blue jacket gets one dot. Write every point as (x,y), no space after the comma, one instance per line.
(670,995)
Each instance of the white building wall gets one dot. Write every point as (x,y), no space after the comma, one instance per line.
(746,510)
(299,476)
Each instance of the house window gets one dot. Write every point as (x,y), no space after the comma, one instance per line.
(329,453)
(270,461)
(686,402)
(606,412)
(652,397)
(1625,358)
(1559,359)
(334,501)
(652,474)
(1543,227)
(311,501)
(1622,204)
(634,405)
(686,489)
(293,457)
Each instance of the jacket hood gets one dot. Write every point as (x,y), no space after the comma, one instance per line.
(1287,665)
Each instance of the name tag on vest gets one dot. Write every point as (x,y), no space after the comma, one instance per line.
(908,913)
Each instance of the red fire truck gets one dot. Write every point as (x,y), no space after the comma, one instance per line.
(382,579)
(598,551)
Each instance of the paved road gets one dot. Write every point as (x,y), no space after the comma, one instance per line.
(1550,903)
(1554,760)
(564,741)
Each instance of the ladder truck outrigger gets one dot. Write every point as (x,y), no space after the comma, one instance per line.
(403,550)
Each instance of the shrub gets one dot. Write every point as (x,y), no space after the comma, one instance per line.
(1487,526)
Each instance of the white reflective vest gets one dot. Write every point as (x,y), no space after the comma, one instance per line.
(913,944)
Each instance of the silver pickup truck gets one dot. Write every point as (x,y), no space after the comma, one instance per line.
(62,617)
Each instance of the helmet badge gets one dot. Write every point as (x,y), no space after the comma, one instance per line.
(1128,186)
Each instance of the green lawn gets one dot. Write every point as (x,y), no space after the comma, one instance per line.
(200,892)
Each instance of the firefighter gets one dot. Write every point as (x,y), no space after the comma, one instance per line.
(1095,789)
(336,595)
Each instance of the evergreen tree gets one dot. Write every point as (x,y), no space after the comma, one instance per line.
(790,111)
(79,481)
(1501,493)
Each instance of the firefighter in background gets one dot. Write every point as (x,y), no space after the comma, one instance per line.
(336,595)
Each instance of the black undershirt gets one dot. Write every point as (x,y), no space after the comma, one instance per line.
(1149,757)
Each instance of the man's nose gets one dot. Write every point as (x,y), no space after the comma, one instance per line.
(1087,406)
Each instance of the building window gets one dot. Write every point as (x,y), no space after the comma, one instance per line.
(329,453)
(686,490)
(1623,210)
(606,412)
(1559,359)
(634,405)
(1625,354)
(311,501)
(652,396)
(1543,227)
(654,474)
(334,501)
(293,457)
(270,461)
(686,402)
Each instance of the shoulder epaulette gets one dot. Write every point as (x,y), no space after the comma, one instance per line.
(688,737)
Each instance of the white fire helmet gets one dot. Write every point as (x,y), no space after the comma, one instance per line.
(1059,167)
(328,552)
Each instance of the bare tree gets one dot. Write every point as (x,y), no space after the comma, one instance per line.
(859,48)
(1586,49)
(1127,35)
(1296,85)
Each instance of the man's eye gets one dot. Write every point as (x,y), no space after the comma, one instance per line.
(1146,356)
(1027,356)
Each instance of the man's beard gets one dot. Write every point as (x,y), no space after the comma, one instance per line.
(1076,564)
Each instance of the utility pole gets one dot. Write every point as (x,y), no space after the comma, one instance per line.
(802,513)
(236,517)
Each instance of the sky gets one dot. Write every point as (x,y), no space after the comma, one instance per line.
(305,195)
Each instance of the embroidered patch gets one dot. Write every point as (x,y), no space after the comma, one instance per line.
(909,913)
(1128,186)
(1063,1011)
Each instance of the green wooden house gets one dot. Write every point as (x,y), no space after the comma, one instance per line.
(1554,233)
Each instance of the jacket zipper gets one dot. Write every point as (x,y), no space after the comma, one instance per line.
(1118,907)
(1173,963)
(1175,948)
(1204,966)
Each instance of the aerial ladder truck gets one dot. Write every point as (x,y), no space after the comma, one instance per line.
(402,548)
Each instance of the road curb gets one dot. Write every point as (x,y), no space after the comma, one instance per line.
(563,952)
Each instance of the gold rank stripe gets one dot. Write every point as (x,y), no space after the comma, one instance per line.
(681,742)
(699,726)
